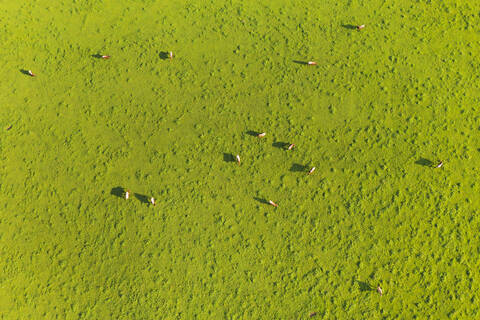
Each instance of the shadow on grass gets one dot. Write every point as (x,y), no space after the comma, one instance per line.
(263,201)
(364,286)
(25,72)
(253,133)
(280,144)
(349,26)
(296,167)
(300,62)
(142,198)
(164,55)
(424,162)
(118,192)
(228,157)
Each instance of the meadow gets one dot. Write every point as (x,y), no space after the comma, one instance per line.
(382,106)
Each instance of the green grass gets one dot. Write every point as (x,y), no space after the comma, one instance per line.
(403,89)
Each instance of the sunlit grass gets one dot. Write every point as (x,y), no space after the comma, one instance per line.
(382,106)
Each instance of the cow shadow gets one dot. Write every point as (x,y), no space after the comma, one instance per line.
(424,162)
(364,286)
(142,198)
(300,62)
(164,55)
(349,26)
(296,167)
(228,157)
(118,192)
(253,133)
(263,201)
(280,144)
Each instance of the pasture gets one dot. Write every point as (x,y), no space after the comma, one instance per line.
(382,106)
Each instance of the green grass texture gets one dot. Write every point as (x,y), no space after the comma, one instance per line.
(374,116)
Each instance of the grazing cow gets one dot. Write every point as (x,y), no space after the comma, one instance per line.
(380,291)
(272,203)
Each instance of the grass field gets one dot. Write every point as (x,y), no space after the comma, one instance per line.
(382,106)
